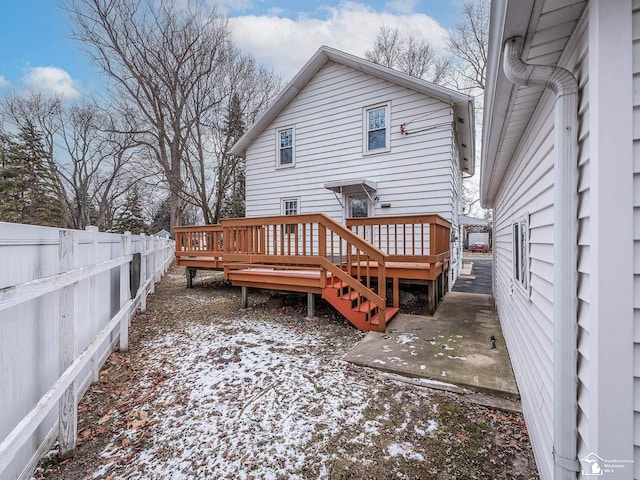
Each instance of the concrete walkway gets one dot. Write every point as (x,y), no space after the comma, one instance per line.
(475,276)
(452,350)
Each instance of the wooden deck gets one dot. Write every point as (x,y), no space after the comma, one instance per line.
(315,254)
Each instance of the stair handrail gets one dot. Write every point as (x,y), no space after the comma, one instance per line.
(327,222)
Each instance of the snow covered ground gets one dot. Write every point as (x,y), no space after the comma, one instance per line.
(209,391)
(250,399)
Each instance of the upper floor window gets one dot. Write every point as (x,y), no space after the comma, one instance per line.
(377,128)
(285,139)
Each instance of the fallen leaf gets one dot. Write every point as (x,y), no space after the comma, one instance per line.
(462,437)
(134,425)
(126,442)
(104,419)
(224,454)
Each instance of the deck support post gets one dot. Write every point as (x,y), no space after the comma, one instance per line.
(431,295)
(311,306)
(396,292)
(245,297)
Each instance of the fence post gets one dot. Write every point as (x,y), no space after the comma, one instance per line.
(143,273)
(152,260)
(125,292)
(68,345)
(93,300)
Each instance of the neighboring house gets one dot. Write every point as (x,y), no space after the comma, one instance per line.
(474,230)
(162,234)
(561,169)
(350,138)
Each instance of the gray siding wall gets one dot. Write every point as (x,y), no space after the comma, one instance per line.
(417,176)
(527,315)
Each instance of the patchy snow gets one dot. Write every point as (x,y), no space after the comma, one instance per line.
(433,426)
(405,338)
(404,450)
(246,400)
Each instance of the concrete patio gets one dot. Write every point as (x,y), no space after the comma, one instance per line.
(452,350)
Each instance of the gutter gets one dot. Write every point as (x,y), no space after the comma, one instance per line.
(565,276)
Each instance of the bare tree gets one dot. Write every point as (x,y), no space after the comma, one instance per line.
(213,175)
(158,54)
(97,153)
(409,55)
(468,42)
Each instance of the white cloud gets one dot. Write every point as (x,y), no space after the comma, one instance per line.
(4,82)
(286,44)
(51,80)
(403,6)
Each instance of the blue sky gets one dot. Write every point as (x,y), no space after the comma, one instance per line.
(283,34)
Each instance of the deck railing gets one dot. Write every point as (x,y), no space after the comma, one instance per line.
(299,241)
(202,241)
(420,238)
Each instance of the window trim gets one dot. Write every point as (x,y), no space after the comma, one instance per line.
(279,150)
(365,128)
(521,260)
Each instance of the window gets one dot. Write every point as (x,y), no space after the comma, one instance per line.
(521,252)
(285,139)
(357,206)
(290,207)
(376,121)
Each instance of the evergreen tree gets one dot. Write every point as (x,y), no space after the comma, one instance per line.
(233,204)
(162,217)
(130,218)
(28,192)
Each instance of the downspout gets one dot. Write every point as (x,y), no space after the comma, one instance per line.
(565,230)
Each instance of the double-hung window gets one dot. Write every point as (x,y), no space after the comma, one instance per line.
(376,122)
(521,252)
(285,151)
(290,207)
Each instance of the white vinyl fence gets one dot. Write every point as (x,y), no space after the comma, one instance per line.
(65,301)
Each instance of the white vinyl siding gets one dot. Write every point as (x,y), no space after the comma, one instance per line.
(636,230)
(416,176)
(527,192)
(527,322)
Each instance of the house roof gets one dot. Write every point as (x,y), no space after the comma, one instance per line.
(462,104)
(546,27)
(476,222)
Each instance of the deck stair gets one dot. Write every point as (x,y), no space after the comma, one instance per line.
(361,312)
